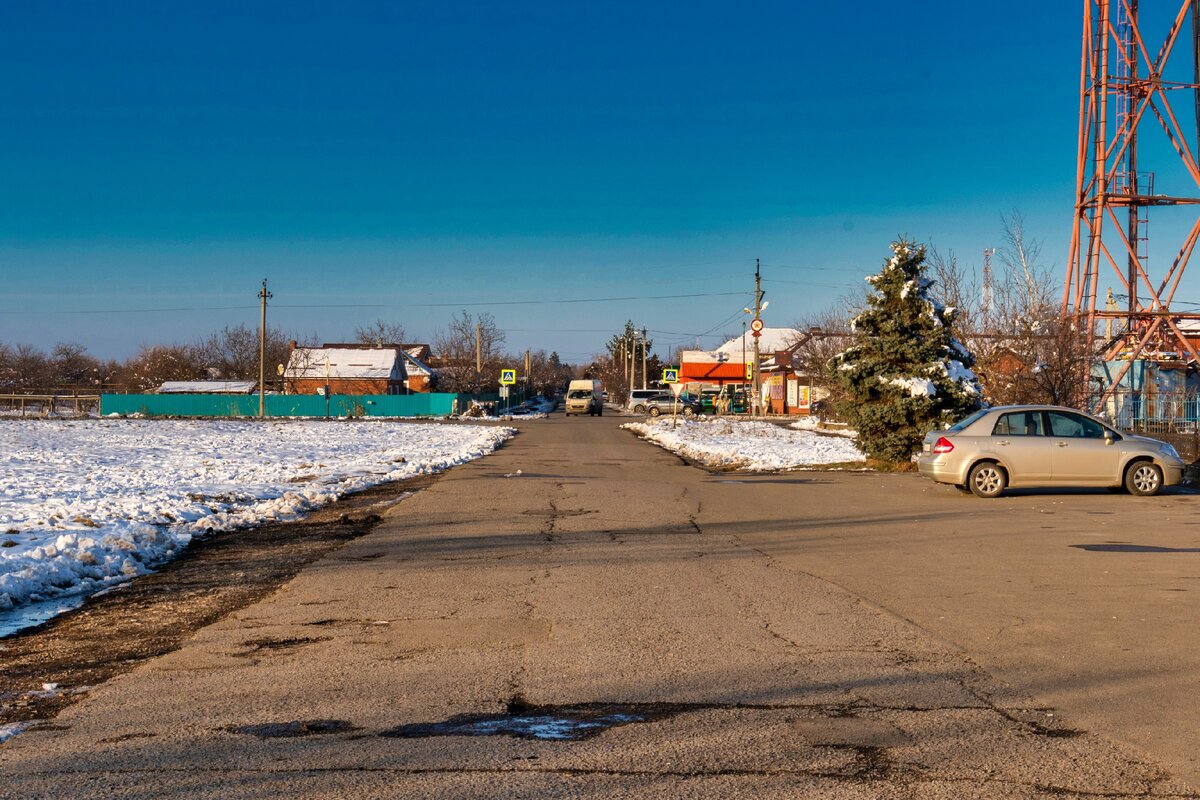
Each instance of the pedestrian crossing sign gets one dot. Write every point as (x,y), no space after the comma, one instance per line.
(508,377)
(670,375)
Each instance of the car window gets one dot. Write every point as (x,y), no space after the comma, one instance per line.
(1074,426)
(1019,423)
(963,424)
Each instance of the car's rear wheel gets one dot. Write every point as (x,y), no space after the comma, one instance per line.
(688,411)
(1143,478)
(987,479)
(639,409)
(655,411)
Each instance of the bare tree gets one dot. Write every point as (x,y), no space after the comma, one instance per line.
(956,286)
(71,366)
(232,352)
(155,364)
(547,372)
(30,367)
(456,350)
(820,335)
(1034,356)
(381,332)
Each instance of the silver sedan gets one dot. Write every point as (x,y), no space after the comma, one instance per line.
(1023,446)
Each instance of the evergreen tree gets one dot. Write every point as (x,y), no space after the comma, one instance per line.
(905,373)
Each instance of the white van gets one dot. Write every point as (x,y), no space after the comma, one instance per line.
(585,396)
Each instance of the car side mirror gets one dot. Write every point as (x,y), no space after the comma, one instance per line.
(1109,438)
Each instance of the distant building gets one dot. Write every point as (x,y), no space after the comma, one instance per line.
(357,369)
(729,363)
(208,387)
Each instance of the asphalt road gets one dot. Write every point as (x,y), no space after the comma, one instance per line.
(817,634)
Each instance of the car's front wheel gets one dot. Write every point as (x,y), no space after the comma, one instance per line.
(655,411)
(1143,478)
(688,411)
(987,479)
(639,409)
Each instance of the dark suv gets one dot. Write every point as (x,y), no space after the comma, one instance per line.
(689,404)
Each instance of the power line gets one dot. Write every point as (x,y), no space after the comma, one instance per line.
(542,302)
(134,310)
(567,301)
(811,283)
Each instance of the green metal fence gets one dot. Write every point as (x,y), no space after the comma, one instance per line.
(283,405)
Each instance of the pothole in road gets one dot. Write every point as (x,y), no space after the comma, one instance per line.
(288,730)
(552,723)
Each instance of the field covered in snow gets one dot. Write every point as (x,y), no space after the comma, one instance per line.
(747,444)
(85,504)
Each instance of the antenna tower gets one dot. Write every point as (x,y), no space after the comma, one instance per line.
(1123,93)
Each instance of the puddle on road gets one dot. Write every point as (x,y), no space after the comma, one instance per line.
(550,723)
(288,730)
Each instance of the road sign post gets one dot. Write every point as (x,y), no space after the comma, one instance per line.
(677,389)
(508,377)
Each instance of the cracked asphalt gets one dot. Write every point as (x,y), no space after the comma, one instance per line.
(809,635)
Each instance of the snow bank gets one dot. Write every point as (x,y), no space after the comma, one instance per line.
(746,444)
(86,504)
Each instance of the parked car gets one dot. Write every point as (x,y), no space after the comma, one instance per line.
(1021,446)
(636,396)
(689,404)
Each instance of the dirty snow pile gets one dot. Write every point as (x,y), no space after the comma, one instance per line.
(85,504)
(747,444)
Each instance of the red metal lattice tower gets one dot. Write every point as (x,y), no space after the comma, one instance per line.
(1123,94)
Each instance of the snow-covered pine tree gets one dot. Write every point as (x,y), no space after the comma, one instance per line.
(905,373)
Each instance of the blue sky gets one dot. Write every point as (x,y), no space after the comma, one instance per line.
(408,159)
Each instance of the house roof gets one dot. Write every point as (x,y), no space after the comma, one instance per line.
(772,339)
(413,362)
(207,387)
(363,363)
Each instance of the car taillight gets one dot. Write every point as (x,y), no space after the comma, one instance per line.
(943,445)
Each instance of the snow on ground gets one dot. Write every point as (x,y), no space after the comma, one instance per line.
(747,444)
(11,729)
(86,504)
(814,424)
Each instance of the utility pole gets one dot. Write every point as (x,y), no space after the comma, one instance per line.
(757,314)
(643,358)
(263,295)
(628,365)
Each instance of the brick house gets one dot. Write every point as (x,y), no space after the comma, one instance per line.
(357,369)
